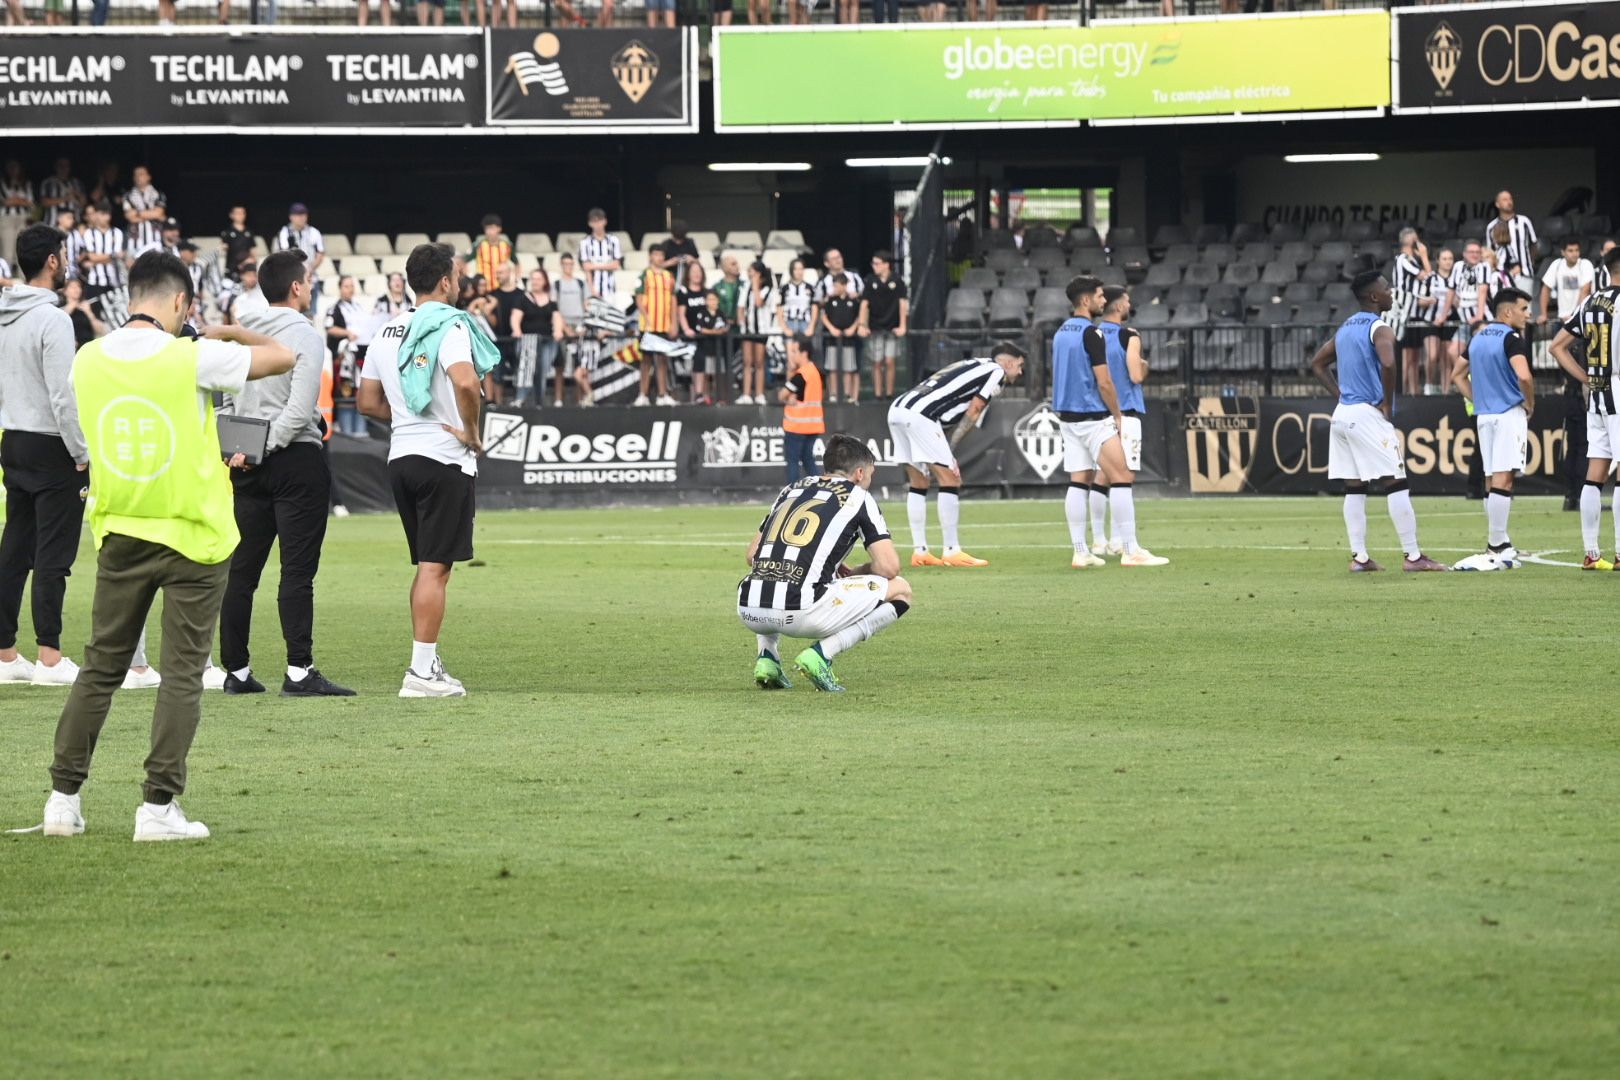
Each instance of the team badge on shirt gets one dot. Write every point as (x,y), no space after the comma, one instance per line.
(421,361)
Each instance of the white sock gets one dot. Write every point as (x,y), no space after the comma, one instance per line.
(770,644)
(1592,517)
(950,515)
(1122,501)
(242,674)
(917,514)
(1099,513)
(139,658)
(1074,507)
(1355,523)
(423,653)
(297,674)
(882,616)
(1497,507)
(1405,519)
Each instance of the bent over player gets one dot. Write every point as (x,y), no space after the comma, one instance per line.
(797,583)
(1363,446)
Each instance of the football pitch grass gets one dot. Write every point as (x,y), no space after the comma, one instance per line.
(1243,816)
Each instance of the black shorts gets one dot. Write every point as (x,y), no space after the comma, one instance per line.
(436,506)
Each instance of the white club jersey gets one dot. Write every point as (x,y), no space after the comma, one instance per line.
(424,435)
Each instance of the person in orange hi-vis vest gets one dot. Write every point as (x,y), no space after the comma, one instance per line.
(802,420)
(324,404)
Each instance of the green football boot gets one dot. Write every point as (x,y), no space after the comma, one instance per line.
(817,669)
(768,675)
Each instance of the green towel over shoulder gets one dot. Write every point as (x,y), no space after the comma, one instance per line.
(420,352)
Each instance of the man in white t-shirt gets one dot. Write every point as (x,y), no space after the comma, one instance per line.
(432,455)
(1567,281)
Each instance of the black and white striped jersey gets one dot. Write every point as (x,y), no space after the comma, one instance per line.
(1469,285)
(308,240)
(804,539)
(16,189)
(797,298)
(1404,281)
(1600,275)
(1594,323)
(824,284)
(606,248)
(1521,242)
(145,236)
(110,274)
(944,397)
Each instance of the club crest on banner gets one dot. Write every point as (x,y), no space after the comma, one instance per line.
(1443,51)
(1039,437)
(1222,436)
(636,68)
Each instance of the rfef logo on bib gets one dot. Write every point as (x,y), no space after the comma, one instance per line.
(136,439)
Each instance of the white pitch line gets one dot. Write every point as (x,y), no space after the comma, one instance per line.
(1302,548)
(1540,559)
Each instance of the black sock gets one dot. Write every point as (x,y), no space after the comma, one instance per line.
(900,607)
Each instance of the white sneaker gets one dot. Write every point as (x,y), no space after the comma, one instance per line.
(1085,560)
(166,823)
(1143,557)
(437,683)
(1100,548)
(665,399)
(1116,547)
(641,399)
(557,404)
(18,671)
(587,403)
(142,680)
(340,511)
(213,677)
(744,400)
(62,674)
(62,816)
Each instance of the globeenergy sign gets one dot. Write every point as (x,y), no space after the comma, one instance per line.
(1053,75)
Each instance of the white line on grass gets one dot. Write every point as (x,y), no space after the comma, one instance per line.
(599,541)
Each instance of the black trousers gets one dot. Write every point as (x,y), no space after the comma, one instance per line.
(1574,440)
(284,499)
(44,512)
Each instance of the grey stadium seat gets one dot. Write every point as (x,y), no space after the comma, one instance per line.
(1210,234)
(1314,314)
(1111,275)
(1189,315)
(1320,273)
(1297,252)
(1300,292)
(1279,273)
(1041,236)
(1152,315)
(1358,231)
(1202,274)
(1247,233)
(1320,232)
(1181,295)
(1047,258)
(1004,259)
(1124,236)
(1258,252)
(1166,235)
(1242,273)
(1081,236)
(1022,277)
(1143,295)
(1163,275)
(1219,254)
(1338,293)
(1051,305)
(979,277)
(1133,258)
(1334,251)
(1008,308)
(1259,294)
(1285,231)
(1272,315)
(1180,254)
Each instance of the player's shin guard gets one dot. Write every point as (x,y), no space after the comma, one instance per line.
(1074,508)
(770,645)
(1122,502)
(1405,519)
(882,617)
(1355,522)
(950,515)
(1498,504)
(1592,518)
(1099,513)
(917,515)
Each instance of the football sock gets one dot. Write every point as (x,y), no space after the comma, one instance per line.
(1122,501)
(423,653)
(884,615)
(1497,505)
(297,674)
(1592,517)
(1074,507)
(1355,523)
(950,515)
(769,644)
(1405,519)
(139,657)
(917,514)
(1099,513)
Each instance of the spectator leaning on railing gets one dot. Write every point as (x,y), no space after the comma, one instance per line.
(691,300)
(536,323)
(884,310)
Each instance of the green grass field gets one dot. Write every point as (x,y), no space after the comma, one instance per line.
(1246,816)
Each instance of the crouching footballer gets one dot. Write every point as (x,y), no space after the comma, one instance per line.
(797,584)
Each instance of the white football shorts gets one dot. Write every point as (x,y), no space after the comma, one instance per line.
(1502,439)
(1130,437)
(1083,442)
(918,440)
(846,602)
(1364,445)
(1602,436)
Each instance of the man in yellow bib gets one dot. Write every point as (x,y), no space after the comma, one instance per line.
(161,513)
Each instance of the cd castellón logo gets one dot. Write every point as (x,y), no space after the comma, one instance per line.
(1443,51)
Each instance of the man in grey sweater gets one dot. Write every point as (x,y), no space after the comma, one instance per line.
(285,497)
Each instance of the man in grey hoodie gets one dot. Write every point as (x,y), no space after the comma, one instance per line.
(43,454)
(287,496)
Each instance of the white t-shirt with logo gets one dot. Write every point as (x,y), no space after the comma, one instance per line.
(1566,283)
(422,435)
